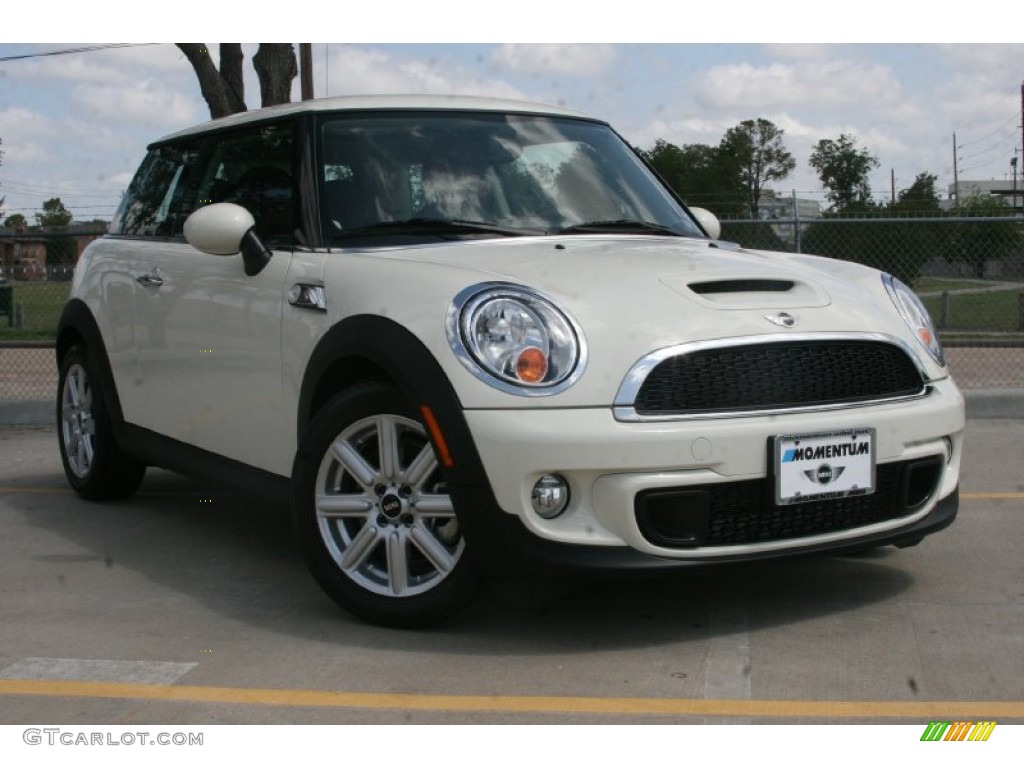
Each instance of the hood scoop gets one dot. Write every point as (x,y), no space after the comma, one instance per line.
(750,292)
(742,286)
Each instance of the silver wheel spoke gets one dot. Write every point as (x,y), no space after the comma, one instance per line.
(422,467)
(84,455)
(74,398)
(435,505)
(398,567)
(387,440)
(354,464)
(349,505)
(432,548)
(360,548)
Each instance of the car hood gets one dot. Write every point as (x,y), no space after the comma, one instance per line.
(633,295)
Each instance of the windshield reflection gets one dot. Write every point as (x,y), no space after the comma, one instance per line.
(510,174)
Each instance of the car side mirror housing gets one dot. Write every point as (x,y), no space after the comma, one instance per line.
(224,229)
(708,222)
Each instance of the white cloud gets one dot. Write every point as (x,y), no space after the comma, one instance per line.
(147,102)
(364,70)
(829,83)
(566,60)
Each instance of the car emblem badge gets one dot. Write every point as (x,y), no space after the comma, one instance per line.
(784,319)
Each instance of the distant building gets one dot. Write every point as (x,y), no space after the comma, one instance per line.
(23,251)
(1001,188)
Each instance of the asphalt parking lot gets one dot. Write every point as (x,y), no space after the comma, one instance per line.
(189,604)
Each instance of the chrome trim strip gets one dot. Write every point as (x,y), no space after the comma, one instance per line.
(625,398)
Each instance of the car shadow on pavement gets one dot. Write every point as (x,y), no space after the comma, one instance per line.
(235,556)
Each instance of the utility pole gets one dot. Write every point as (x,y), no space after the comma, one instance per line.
(956,174)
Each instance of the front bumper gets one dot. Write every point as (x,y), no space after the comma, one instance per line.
(608,464)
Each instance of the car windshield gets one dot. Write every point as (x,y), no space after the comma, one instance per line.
(456,175)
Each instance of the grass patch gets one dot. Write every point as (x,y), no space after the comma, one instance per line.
(929,284)
(38,306)
(998,311)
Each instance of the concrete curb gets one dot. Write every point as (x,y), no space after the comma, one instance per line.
(981,404)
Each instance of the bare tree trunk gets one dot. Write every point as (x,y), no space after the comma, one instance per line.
(211,84)
(231,58)
(276,66)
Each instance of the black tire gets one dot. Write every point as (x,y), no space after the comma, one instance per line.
(94,466)
(376,527)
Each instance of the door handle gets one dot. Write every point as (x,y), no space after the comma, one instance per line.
(150,280)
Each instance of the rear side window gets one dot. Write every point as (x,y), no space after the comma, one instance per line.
(157,202)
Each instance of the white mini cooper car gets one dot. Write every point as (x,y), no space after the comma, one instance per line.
(472,336)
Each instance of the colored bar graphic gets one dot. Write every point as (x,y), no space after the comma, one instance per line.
(943,730)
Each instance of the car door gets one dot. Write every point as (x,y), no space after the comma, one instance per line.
(208,337)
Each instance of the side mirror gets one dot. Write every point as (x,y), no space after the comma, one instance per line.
(224,229)
(708,221)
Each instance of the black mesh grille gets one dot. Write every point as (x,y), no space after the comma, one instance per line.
(721,514)
(778,375)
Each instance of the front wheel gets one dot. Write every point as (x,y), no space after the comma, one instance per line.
(377,526)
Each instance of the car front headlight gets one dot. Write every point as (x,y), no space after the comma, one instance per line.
(515,339)
(913,312)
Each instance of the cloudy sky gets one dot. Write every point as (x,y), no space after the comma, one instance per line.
(76,125)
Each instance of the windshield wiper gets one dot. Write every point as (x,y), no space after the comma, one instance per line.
(620,225)
(431,226)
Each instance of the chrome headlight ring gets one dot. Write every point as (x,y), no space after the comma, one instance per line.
(515,339)
(916,316)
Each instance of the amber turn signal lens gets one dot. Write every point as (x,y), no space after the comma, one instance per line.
(531,365)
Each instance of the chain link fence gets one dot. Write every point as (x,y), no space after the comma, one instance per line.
(968,271)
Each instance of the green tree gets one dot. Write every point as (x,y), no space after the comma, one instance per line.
(700,174)
(54,214)
(275,65)
(15,221)
(757,149)
(978,243)
(920,198)
(843,169)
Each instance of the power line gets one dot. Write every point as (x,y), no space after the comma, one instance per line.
(63,51)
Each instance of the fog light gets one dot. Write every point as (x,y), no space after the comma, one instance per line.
(550,496)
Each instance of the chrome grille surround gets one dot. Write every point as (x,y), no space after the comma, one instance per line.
(624,406)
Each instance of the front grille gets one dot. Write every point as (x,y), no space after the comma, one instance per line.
(723,514)
(789,374)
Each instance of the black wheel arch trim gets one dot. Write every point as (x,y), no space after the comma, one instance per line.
(77,319)
(390,349)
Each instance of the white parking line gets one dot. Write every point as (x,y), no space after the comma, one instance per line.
(99,670)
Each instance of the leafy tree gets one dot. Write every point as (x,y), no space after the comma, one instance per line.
(54,214)
(275,65)
(843,169)
(976,243)
(700,174)
(15,221)
(757,149)
(921,197)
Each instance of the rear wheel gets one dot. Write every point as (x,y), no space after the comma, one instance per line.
(93,465)
(377,526)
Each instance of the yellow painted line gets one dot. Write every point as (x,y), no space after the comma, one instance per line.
(517,704)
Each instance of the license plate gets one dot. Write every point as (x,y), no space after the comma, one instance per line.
(824,465)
